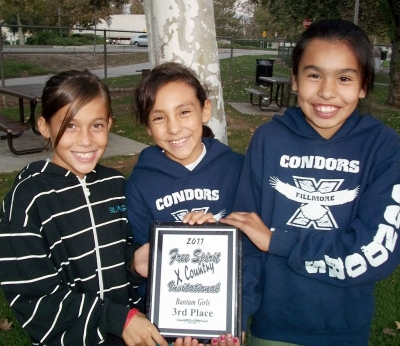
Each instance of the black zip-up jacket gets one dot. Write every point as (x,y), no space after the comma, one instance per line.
(65,247)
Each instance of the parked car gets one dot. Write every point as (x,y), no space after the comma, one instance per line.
(140,40)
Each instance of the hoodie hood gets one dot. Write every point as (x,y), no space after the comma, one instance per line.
(52,170)
(164,190)
(356,124)
(154,159)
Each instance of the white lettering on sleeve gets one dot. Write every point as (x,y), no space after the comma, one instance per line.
(388,234)
(355,265)
(336,268)
(316,267)
(375,253)
(392,215)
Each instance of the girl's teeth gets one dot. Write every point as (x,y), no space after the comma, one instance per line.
(84,155)
(178,141)
(326,109)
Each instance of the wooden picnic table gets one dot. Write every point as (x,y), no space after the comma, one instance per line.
(282,92)
(13,128)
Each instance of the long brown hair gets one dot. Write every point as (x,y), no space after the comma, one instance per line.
(76,89)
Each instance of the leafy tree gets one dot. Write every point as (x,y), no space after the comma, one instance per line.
(137,7)
(20,12)
(283,28)
(227,20)
(52,12)
(390,11)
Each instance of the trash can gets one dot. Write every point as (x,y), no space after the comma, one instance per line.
(264,68)
(377,64)
(383,55)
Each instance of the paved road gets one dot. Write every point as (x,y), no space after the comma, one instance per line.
(27,49)
(132,69)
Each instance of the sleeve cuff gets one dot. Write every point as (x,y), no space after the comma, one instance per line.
(116,318)
(282,242)
(134,278)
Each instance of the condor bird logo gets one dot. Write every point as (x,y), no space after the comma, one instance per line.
(315,198)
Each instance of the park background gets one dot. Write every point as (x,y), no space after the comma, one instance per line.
(246,31)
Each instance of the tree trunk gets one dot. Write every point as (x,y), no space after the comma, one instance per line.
(184,31)
(20,31)
(394,73)
(391,12)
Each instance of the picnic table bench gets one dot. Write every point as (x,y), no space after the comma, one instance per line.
(14,128)
(263,97)
(281,96)
(9,125)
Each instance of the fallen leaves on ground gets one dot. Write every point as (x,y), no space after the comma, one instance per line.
(4,324)
(397,324)
(389,331)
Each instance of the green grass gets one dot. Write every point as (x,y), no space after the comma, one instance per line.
(16,336)
(387,305)
(13,69)
(123,82)
(240,129)
(382,78)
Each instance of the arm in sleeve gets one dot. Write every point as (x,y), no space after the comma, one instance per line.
(46,306)
(134,278)
(139,215)
(252,280)
(365,251)
(245,201)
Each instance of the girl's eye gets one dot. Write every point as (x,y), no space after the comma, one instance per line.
(71,126)
(344,79)
(185,112)
(313,76)
(98,126)
(157,118)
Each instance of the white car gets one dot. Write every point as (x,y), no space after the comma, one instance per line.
(140,41)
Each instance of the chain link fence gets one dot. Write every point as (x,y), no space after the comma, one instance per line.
(107,53)
(49,50)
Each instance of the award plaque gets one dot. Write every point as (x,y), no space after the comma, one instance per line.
(194,285)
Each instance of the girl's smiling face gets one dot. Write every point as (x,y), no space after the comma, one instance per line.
(85,139)
(175,122)
(328,85)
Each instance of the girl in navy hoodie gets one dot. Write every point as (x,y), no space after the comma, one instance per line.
(186,176)
(319,200)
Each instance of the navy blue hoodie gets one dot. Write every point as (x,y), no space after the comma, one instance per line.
(160,189)
(334,208)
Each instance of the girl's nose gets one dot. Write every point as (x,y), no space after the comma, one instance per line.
(174,126)
(84,138)
(327,89)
